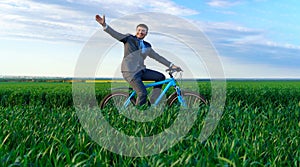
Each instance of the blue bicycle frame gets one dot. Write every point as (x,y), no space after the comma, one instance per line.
(171,82)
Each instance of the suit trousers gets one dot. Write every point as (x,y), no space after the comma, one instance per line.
(136,82)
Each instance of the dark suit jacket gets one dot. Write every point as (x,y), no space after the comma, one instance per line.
(133,60)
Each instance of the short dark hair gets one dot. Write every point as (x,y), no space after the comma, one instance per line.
(143,25)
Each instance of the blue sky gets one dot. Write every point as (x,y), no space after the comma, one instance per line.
(254,38)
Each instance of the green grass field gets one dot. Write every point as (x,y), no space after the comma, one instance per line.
(260,126)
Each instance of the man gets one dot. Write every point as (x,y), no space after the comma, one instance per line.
(135,51)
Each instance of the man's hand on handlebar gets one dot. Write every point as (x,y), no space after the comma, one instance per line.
(174,68)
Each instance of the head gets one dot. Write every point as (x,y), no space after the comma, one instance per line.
(141,31)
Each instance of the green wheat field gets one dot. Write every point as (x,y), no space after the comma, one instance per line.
(260,126)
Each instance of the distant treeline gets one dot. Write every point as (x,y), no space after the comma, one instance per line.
(60,79)
(33,80)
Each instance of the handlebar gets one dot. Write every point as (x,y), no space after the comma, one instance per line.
(172,70)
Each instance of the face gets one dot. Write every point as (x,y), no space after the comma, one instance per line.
(141,32)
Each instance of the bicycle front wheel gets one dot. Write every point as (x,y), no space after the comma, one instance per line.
(192,99)
(115,100)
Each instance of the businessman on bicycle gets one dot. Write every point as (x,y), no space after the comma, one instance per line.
(133,68)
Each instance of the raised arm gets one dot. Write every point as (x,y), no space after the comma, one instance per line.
(119,36)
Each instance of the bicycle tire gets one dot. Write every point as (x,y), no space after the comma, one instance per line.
(115,99)
(192,99)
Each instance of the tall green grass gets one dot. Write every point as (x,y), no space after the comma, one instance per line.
(260,127)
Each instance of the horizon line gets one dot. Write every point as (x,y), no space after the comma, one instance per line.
(119,78)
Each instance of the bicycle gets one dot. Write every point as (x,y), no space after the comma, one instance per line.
(186,99)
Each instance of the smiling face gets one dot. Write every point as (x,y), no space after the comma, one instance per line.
(141,32)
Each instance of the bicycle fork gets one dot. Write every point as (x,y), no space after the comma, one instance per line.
(179,96)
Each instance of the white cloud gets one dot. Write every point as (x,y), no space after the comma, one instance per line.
(236,34)
(170,7)
(223,3)
(117,7)
(46,21)
(28,19)
(248,52)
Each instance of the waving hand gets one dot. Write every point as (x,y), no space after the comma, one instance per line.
(101,20)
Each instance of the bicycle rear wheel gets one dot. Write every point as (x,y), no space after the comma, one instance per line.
(116,100)
(192,100)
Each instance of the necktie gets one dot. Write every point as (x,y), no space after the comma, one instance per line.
(142,46)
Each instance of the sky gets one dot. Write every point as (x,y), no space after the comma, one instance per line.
(253,38)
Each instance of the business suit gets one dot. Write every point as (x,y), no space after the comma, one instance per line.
(133,68)
(133,60)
